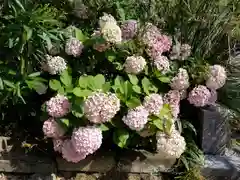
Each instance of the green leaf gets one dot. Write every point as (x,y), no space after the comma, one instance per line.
(188,125)
(106,87)
(34,74)
(28,32)
(146,84)
(83,81)
(168,125)
(111,56)
(79,35)
(61,90)
(120,137)
(66,78)
(118,84)
(164,79)
(9,83)
(133,102)
(99,81)
(127,86)
(185,162)
(65,122)
(77,108)
(137,89)
(81,92)
(1,84)
(158,123)
(54,84)
(19,4)
(133,79)
(103,127)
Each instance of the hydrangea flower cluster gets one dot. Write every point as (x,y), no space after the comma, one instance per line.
(217,77)
(199,96)
(101,107)
(180,51)
(73,47)
(162,64)
(70,154)
(52,129)
(106,19)
(111,33)
(86,140)
(170,146)
(134,64)
(129,29)
(156,42)
(153,103)
(58,106)
(54,65)
(136,118)
(181,80)
(173,99)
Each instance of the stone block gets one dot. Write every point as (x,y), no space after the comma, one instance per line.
(144,162)
(101,163)
(213,131)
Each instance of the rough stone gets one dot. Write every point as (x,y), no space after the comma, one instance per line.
(100,163)
(144,162)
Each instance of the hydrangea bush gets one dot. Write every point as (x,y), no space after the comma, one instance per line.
(125,78)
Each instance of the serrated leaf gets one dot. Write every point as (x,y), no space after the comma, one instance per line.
(133,102)
(79,35)
(168,125)
(103,127)
(83,81)
(66,78)
(118,81)
(146,84)
(133,79)
(158,123)
(65,122)
(137,89)
(120,137)
(106,87)
(61,91)
(54,84)
(81,92)
(99,81)
(164,79)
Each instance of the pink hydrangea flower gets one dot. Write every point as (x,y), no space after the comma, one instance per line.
(87,140)
(217,77)
(52,129)
(153,103)
(57,145)
(199,96)
(129,29)
(101,107)
(69,153)
(181,80)
(73,47)
(162,64)
(136,118)
(173,99)
(58,106)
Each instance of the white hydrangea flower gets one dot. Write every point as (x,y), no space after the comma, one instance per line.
(170,146)
(180,51)
(153,103)
(162,64)
(112,33)
(105,19)
(134,64)
(54,65)
(136,118)
(73,47)
(181,80)
(101,107)
(217,77)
